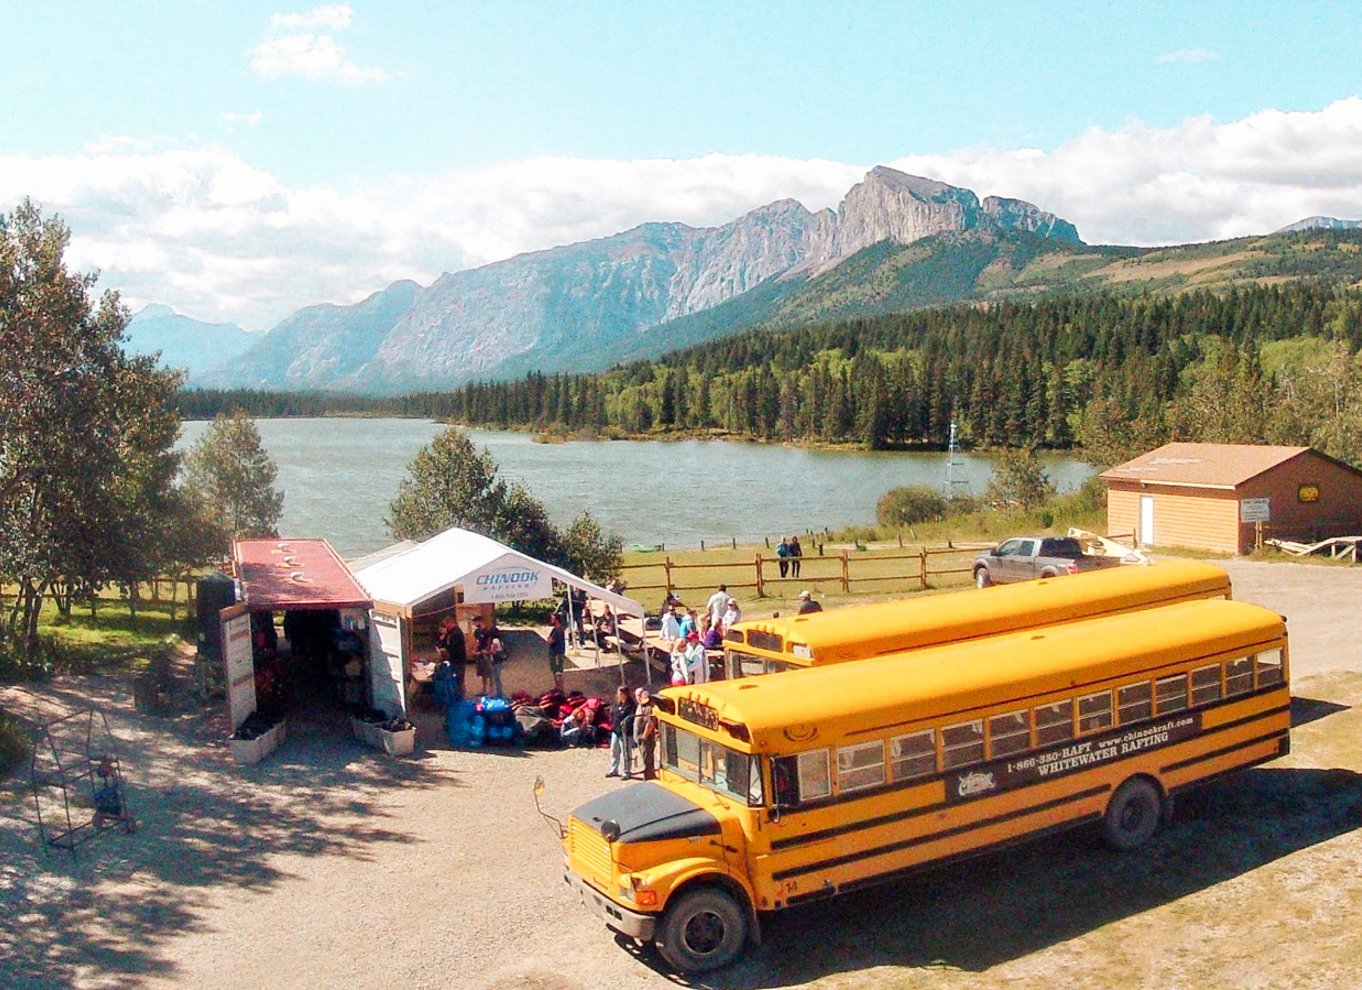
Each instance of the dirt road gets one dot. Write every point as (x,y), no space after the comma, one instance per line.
(335,866)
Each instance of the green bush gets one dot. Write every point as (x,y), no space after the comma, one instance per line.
(909,505)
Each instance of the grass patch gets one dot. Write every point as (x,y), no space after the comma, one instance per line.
(111,639)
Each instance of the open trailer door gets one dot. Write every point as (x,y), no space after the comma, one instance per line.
(239,659)
(386,685)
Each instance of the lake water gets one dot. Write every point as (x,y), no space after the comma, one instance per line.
(338,476)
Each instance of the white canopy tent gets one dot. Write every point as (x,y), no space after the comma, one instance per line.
(459,561)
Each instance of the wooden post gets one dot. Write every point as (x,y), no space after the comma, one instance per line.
(922,569)
(761,584)
(734,541)
(846,573)
(667,567)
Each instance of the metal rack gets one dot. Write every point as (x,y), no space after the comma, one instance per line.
(77,780)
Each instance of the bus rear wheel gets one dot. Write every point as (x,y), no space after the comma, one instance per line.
(1133,815)
(702,930)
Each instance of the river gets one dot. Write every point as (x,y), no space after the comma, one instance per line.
(338,476)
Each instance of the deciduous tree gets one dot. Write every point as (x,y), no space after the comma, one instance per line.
(231,477)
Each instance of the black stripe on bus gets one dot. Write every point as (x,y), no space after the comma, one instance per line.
(1217,753)
(958,857)
(898,816)
(917,840)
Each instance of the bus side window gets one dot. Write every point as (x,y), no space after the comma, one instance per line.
(1206,684)
(962,744)
(1094,712)
(1055,723)
(815,776)
(914,755)
(1134,702)
(1171,693)
(1269,667)
(860,766)
(1009,733)
(1239,675)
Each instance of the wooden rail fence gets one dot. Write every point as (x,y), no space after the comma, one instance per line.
(840,566)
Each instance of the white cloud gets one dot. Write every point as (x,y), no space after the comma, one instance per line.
(253,118)
(1192,55)
(305,45)
(207,232)
(336,17)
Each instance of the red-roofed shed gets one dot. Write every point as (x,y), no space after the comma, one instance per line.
(278,575)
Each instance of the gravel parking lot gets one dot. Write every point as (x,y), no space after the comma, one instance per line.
(331,865)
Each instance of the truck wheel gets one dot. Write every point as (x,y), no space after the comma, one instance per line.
(1133,815)
(981,578)
(702,930)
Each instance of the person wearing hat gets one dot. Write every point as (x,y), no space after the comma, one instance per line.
(807,604)
(732,614)
(645,732)
(697,660)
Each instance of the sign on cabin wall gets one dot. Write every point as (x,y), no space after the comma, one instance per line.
(1253,510)
(508,583)
(239,658)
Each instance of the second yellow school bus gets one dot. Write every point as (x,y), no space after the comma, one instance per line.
(856,632)
(801,785)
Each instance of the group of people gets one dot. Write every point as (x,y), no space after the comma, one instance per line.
(691,634)
(633,733)
(489,654)
(788,554)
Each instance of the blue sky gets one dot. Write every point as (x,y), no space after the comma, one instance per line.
(238,161)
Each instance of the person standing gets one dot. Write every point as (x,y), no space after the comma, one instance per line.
(482,652)
(645,732)
(497,649)
(716,603)
(557,650)
(807,604)
(796,552)
(671,624)
(783,555)
(622,735)
(455,649)
(731,615)
(697,660)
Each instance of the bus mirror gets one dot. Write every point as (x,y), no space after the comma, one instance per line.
(538,786)
(610,830)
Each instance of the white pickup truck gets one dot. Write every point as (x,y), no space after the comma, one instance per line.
(1026,557)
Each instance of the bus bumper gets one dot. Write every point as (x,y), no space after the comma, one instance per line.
(622,920)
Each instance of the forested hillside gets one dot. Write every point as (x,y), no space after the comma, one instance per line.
(1275,363)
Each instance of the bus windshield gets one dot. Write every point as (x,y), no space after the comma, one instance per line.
(724,770)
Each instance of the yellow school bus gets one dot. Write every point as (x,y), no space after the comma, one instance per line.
(763,646)
(779,790)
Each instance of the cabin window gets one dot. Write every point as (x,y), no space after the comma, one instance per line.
(1055,723)
(1094,712)
(1010,733)
(1206,685)
(914,755)
(1239,676)
(815,779)
(1134,702)
(1269,667)
(860,766)
(962,744)
(1170,693)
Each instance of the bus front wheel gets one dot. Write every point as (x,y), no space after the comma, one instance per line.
(1133,815)
(703,929)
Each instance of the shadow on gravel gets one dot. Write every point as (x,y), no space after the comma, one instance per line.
(1306,710)
(980,913)
(110,915)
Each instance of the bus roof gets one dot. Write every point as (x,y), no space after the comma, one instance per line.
(858,631)
(839,699)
